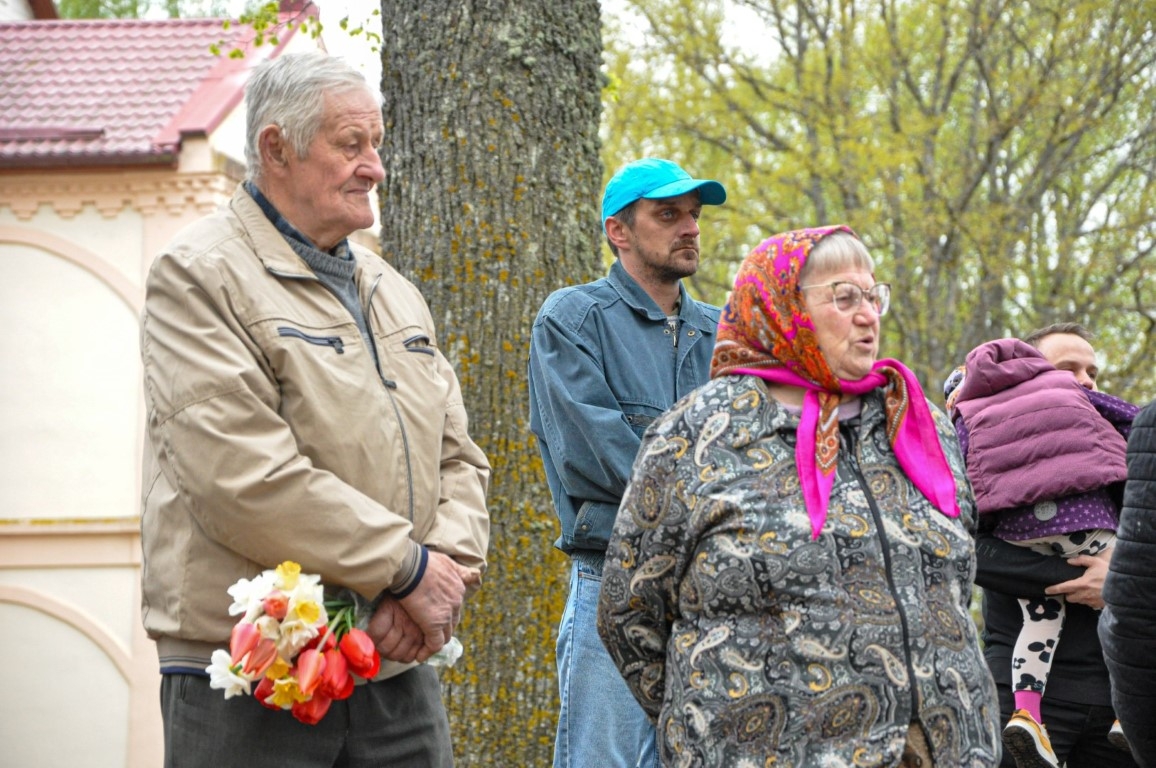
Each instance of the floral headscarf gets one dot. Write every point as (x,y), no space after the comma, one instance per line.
(766,331)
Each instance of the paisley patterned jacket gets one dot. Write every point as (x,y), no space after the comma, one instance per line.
(752,644)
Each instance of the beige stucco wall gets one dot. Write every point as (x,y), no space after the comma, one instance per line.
(75,248)
(81,686)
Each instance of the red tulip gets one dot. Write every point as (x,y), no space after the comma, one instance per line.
(310,667)
(276,604)
(359,652)
(264,691)
(310,712)
(262,655)
(336,682)
(242,639)
(324,640)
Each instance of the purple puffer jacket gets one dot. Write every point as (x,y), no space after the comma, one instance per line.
(1032,433)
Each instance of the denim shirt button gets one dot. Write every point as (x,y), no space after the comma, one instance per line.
(690,333)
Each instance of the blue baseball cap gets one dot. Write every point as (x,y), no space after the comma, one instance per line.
(655,178)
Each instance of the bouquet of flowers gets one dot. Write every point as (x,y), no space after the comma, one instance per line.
(301,650)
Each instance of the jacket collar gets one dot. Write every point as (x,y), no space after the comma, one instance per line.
(270,244)
(283,226)
(636,298)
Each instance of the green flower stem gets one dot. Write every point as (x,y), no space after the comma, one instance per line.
(342,614)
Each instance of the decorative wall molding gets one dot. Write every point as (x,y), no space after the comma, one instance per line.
(69,543)
(130,294)
(80,547)
(75,617)
(150,193)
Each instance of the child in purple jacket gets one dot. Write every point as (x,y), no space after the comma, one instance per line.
(1046,460)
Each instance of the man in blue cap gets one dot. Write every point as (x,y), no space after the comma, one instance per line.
(606,358)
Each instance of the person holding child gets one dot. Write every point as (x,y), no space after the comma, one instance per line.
(1045,456)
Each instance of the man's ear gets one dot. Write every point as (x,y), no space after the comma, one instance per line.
(273,147)
(617,233)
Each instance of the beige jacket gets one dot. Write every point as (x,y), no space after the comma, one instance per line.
(271,435)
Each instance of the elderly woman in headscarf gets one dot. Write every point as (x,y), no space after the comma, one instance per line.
(790,572)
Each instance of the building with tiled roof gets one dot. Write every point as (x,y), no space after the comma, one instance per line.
(116,95)
(121,92)
(114,134)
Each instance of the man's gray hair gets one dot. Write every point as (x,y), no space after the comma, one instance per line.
(289,92)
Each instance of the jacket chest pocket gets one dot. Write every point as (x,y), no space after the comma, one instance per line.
(327,390)
(333,342)
(419,344)
(413,364)
(326,362)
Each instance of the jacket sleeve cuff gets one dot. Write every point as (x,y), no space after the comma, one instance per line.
(411,571)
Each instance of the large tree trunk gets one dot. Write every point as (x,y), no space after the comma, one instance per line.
(489,203)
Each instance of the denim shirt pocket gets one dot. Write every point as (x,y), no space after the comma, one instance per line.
(640,421)
(593,525)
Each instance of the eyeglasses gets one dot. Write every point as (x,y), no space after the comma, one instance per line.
(847,297)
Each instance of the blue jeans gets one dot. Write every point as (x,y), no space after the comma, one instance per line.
(600,724)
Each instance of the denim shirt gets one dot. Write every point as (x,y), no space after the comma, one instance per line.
(604,365)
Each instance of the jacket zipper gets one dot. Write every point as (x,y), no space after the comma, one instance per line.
(847,433)
(425,349)
(390,386)
(325,341)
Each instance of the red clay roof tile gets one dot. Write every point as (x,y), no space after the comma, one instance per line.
(101,92)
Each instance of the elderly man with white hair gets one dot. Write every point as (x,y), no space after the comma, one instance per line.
(299,408)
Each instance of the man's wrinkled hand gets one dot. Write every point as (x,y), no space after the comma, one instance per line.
(394,632)
(436,603)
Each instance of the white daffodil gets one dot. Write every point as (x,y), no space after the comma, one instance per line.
(224,676)
(269,627)
(295,634)
(248,595)
(307,590)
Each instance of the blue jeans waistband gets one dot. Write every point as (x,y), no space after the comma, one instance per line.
(589,559)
